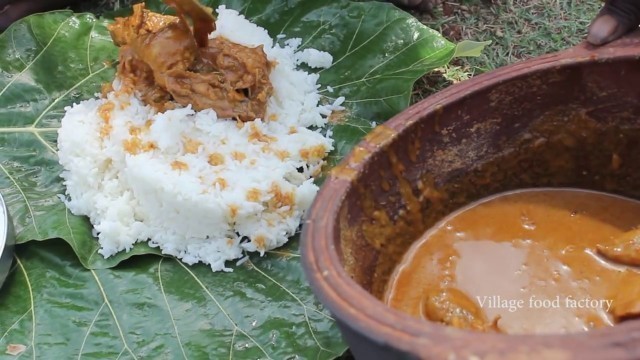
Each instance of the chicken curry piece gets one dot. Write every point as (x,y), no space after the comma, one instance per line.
(453,307)
(624,250)
(163,62)
(533,261)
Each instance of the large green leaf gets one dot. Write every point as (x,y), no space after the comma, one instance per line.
(151,306)
(50,62)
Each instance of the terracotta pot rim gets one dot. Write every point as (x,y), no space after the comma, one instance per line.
(360,310)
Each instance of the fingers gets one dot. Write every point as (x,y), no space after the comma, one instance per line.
(616,18)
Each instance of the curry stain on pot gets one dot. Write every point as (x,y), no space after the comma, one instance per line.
(384,184)
(414,150)
(343,172)
(391,235)
(380,135)
(348,170)
(437,114)
(358,155)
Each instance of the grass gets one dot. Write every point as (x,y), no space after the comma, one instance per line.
(518,29)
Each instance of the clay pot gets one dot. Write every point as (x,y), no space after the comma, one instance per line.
(565,119)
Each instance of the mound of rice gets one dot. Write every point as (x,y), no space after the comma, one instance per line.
(202,189)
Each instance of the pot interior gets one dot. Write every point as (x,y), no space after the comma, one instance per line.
(571,126)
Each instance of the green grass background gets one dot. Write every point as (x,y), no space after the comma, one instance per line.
(518,30)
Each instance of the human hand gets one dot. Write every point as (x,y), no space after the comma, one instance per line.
(616,18)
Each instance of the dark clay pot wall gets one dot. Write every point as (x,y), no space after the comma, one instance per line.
(567,119)
(560,127)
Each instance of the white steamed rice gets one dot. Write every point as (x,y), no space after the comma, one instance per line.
(202,189)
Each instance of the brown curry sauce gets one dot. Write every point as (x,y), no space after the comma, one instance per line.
(525,261)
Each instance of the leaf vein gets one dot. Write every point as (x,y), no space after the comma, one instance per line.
(13,44)
(34,33)
(435,53)
(233,341)
(166,301)
(86,335)
(355,34)
(297,299)
(35,59)
(282,253)
(26,130)
(364,129)
(46,144)
(33,311)
(304,306)
(24,196)
(373,99)
(286,25)
(396,55)
(269,11)
(245,8)
(121,352)
(113,314)
(226,314)
(323,26)
(53,103)
(14,324)
(349,51)
(73,237)
(93,26)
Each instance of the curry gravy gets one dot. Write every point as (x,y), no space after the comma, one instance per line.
(522,262)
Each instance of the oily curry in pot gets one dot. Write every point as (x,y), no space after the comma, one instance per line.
(528,261)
